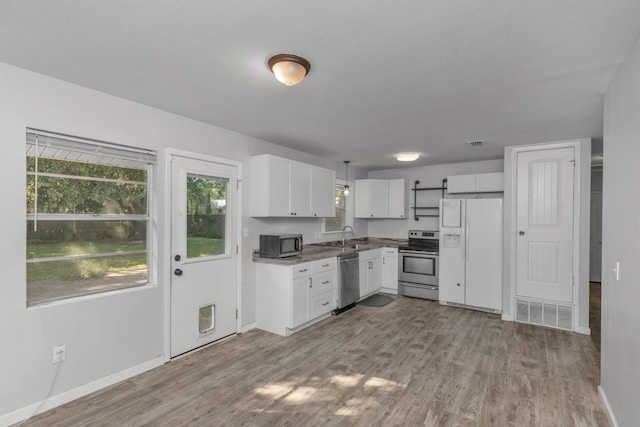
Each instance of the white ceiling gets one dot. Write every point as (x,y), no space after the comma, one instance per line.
(386,76)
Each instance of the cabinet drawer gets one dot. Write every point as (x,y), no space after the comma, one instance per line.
(369,255)
(389,251)
(301,270)
(322,265)
(322,303)
(323,282)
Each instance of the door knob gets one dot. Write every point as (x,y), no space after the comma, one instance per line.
(177,272)
(521,233)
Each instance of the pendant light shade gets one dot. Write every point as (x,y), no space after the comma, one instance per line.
(346,177)
(289,69)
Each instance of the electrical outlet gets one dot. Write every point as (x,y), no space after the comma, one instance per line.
(58,353)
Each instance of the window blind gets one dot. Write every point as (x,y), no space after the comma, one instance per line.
(51,145)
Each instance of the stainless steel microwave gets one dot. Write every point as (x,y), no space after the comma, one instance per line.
(280,245)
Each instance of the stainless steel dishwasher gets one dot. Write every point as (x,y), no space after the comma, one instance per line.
(348,281)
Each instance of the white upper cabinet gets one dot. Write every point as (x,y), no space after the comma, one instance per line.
(380,198)
(323,192)
(397,194)
(282,187)
(476,183)
(300,195)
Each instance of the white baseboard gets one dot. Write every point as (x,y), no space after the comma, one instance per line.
(583,330)
(391,291)
(507,317)
(604,399)
(247,328)
(69,395)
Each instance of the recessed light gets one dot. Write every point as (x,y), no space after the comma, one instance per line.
(407,157)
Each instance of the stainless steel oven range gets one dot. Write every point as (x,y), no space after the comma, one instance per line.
(418,265)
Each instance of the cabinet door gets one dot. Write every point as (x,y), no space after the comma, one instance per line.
(389,274)
(300,189)
(323,190)
(461,184)
(489,182)
(375,267)
(364,198)
(397,192)
(363,267)
(300,301)
(380,198)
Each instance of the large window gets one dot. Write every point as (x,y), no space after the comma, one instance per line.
(88,227)
(344,209)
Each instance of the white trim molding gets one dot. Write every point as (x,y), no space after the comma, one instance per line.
(604,399)
(75,393)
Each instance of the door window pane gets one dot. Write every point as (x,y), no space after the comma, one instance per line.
(206,216)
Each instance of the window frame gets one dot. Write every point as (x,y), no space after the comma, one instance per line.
(147,163)
(348,208)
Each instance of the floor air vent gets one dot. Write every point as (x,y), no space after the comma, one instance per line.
(544,313)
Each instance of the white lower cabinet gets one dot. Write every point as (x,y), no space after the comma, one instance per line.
(370,263)
(290,296)
(389,270)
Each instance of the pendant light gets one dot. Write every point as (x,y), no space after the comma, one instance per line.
(346,177)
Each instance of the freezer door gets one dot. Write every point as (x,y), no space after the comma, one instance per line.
(452,251)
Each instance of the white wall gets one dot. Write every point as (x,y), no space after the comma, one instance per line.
(620,357)
(110,333)
(429,176)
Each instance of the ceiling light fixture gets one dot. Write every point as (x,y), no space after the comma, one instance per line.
(346,177)
(407,157)
(289,69)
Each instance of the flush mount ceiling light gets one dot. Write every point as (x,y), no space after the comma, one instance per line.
(289,69)
(407,157)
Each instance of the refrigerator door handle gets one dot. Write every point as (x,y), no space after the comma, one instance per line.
(467,232)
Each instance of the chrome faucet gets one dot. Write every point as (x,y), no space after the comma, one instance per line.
(344,229)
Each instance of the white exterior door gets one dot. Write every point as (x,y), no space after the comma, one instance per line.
(203,253)
(595,253)
(544,224)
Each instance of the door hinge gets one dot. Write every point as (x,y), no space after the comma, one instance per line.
(236,313)
(236,249)
(238,184)
(573,163)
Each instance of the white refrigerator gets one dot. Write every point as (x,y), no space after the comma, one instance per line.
(471,253)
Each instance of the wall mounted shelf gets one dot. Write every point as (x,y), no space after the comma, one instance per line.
(417,208)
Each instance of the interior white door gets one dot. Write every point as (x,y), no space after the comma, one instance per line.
(595,262)
(544,220)
(203,253)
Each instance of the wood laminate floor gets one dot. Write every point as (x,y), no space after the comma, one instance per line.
(410,363)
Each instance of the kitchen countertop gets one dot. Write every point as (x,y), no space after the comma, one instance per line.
(312,252)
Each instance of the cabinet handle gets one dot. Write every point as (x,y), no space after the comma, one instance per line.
(325,265)
(325,282)
(370,265)
(310,282)
(302,271)
(325,303)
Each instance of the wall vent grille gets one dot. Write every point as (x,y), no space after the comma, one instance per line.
(549,314)
(476,143)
